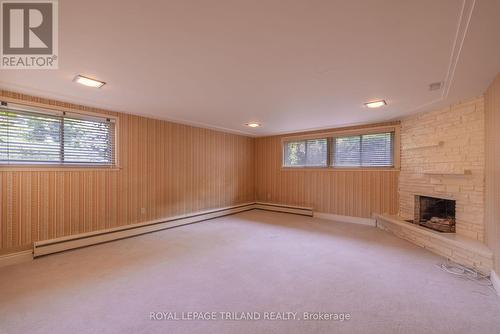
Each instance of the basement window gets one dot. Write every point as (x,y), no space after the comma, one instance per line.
(371,150)
(45,137)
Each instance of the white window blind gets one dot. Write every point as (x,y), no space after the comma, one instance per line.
(28,136)
(306,153)
(369,150)
(352,151)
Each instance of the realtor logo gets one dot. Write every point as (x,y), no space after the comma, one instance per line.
(29,34)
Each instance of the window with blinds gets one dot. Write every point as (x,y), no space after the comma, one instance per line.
(369,150)
(32,137)
(306,153)
(352,151)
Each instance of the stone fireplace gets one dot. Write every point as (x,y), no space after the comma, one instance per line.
(435,213)
(442,161)
(442,156)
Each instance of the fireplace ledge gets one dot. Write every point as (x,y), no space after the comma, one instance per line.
(463,250)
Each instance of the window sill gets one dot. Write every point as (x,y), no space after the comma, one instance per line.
(338,169)
(56,168)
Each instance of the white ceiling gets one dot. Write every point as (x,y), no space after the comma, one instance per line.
(291,65)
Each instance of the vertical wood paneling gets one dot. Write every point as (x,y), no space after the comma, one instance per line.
(166,168)
(358,193)
(492,170)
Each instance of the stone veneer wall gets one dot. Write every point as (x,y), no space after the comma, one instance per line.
(461,129)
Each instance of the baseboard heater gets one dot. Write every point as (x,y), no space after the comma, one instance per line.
(46,247)
(298,210)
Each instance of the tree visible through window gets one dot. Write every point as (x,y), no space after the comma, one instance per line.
(32,137)
(306,153)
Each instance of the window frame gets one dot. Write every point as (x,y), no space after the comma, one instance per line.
(395,128)
(58,110)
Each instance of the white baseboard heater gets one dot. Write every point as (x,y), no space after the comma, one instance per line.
(298,210)
(86,239)
(46,247)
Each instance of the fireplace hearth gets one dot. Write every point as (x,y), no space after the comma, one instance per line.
(435,213)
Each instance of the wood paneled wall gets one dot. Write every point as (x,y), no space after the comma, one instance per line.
(356,193)
(492,170)
(169,169)
(166,169)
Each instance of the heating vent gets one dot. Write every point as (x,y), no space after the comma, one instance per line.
(435,86)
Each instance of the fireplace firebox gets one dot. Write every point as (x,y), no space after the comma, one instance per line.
(435,213)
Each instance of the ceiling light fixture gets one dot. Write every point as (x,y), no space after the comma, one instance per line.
(376,104)
(88,81)
(253,124)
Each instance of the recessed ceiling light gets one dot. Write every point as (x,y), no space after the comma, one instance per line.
(375,104)
(253,124)
(88,81)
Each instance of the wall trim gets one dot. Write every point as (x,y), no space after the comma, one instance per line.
(462,30)
(346,219)
(495,280)
(15,258)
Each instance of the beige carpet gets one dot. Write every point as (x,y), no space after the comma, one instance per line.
(251,262)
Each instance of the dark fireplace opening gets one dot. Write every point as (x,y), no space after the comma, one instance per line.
(435,213)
